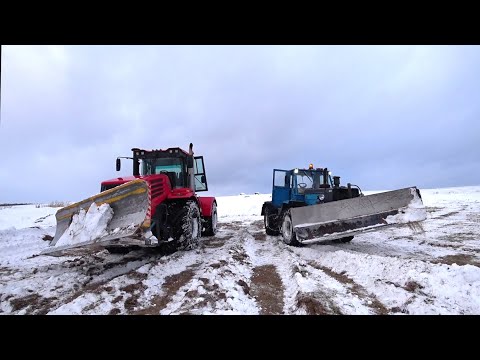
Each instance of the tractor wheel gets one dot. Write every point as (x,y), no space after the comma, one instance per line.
(289,236)
(187,227)
(211,223)
(271,223)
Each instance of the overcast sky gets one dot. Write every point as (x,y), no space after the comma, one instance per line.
(381,117)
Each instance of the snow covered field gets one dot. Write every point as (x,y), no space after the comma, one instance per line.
(428,269)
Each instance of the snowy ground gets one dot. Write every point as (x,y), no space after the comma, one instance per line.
(432,269)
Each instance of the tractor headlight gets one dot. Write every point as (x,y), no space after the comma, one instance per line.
(321,197)
(295,171)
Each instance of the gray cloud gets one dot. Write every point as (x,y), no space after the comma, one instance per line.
(381,117)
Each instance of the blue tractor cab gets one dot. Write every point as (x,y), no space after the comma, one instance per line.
(302,186)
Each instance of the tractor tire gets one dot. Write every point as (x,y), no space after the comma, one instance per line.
(187,227)
(211,223)
(288,234)
(271,222)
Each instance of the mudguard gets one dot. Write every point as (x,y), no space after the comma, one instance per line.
(206,204)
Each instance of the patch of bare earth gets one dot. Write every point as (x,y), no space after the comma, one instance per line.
(403,309)
(444,245)
(90,307)
(137,275)
(117,299)
(448,214)
(408,237)
(238,254)
(258,224)
(259,236)
(36,304)
(219,264)
(459,236)
(215,242)
(244,286)
(412,286)
(33,304)
(234,225)
(94,288)
(136,290)
(370,299)
(100,286)
(6,271)
(316,304)
(459,259)
(170,287)
(212,294)
(475,217)
(267,289)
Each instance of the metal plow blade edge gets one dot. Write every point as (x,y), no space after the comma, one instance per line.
(129,202)
(338,219)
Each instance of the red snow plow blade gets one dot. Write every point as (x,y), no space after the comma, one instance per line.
(128,202)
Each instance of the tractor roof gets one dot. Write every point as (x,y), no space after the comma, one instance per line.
(169,150)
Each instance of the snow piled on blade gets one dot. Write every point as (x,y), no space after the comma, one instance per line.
(87,226)
(415,211)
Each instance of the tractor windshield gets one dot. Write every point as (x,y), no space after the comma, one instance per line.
(311,179)
(174,166)
(305,179)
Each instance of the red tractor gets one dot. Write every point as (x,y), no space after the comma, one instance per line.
(158,204)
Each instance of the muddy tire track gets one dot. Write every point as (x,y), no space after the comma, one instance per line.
(170,287)
(277,287)
(317,303)
(369,299)
(91,274)
(192,289)
(267,289)
(459,259)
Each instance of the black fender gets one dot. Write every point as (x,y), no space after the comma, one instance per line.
(269,205)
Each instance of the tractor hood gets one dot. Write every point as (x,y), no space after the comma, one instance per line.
(124,179)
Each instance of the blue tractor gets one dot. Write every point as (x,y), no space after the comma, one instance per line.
(298,188)
(309,205)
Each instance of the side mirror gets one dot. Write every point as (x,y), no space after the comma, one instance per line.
(118,165)
(190,162)
(203,179)
(336,181)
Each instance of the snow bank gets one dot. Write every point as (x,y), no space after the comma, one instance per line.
(25,216)
(245,207)
(415,211)
(87,226)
